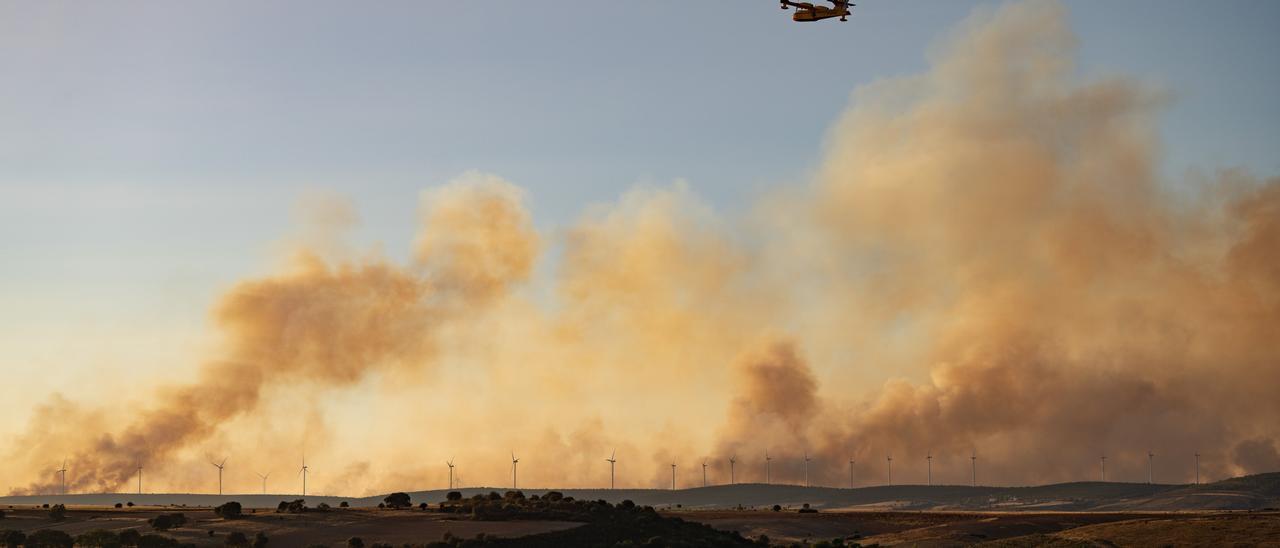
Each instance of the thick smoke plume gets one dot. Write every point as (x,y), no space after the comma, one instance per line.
(988,261)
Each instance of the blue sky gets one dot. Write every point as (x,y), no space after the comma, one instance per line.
(151,151)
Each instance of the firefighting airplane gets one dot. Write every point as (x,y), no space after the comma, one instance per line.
(809,12)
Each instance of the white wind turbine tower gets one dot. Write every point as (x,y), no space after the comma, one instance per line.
(704,472)
(450,463)
(1197,468)
(612,461)
(1103,460)
(851,472)
(1150,455)
(732,478)
(63,471)
(219,466)
(889,478)
(264,481)
(303,471)
(806,468)
(139,477)
(514,463)
(929,457)
(767,471)
(973,461)
(673,476)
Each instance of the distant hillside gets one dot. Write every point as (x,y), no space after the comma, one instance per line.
(1244,493)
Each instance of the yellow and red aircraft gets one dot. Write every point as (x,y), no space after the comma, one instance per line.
(810,12)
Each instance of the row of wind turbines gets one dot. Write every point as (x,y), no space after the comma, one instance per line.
(733,461)
(768,469)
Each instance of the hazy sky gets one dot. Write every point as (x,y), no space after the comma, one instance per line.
(151,153)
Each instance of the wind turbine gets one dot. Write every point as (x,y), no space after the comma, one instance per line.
(889,479)
(139,476)
(264,481)
(450,463)
(732,479)
(1197,468)
(1150,455)
(767,460)
(806,468)
(63,471)
(673,476)
(219,466)
(704,472)
(929,457)
(1103,460)
(514,462)
(612,460)
(303,472)
(851,472)
(973,460)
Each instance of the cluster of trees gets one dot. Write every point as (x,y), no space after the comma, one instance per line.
(229,510)
(165,522)
(52,538)
(605,524)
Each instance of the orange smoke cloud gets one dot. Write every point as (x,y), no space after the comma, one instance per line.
(987,260)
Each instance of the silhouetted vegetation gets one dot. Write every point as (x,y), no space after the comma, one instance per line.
(130,537)
(355,542)
(343,504)
(49,538)
(606,524)
(453,496)
(296,506)
(165,522)
(118,505)
(229,510)
(260,540)
(57,513)
(397,501)
(99,538)
(236,538)
(12,539)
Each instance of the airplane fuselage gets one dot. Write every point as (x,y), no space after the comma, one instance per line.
(817,13)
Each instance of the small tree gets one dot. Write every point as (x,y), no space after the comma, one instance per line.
(58,512)
(129,504)
(397,500)
(236,538)
(343,504)
(355,542)
(229,510)
(118,505)
(453,496)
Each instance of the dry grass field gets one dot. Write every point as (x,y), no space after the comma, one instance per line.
(1005,529)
